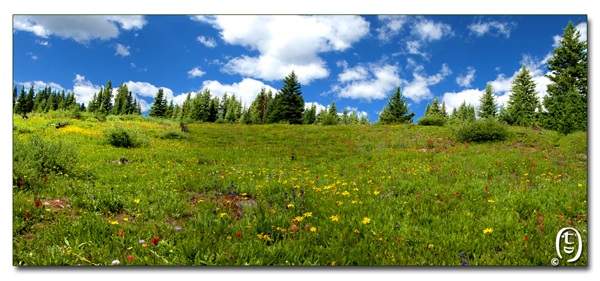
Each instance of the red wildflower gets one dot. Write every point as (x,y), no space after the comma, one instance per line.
(37,203)
(43,206)
(179,175)
(22,183)
(239,234)
(540,227)
(317,176)
(155,241)
(570,222)
(418,196)
(121,233)
(527,239)
(457,193)
(486,188)
(540,219)
(26,215)
(130,257)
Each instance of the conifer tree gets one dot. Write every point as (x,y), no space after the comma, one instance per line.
(444,110)
(568,68)
(353,118)
(256,107)
(331,118)
(396,110)
(345,119)
(170,109)
(15,92)
(310,115)
(523,100)
(107,97)
(487,103)
(292,102)
(159,107)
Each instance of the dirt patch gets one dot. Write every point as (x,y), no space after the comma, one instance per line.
(235,205)
(57,203)
(197,198)
(121,217)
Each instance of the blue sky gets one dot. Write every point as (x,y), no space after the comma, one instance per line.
(356,61)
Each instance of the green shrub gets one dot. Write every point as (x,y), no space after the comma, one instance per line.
(220,121)
(482,131)
(173,135)
(21,129)
(432,121)
(35,156)
(122,138)
(329,120)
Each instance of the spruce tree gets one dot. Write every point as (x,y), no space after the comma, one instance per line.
(568,68)
(15,92)
(436,110)
(523,100)
(29,100)
(396,111)
(487,103)
(569,116)
(256,107)
(159,107)
(310,115)
(331,118)
(353,118)
(169,111)
(444,110)
(107,98)
(345,119)
(292,102)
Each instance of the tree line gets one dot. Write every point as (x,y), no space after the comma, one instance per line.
(563,109)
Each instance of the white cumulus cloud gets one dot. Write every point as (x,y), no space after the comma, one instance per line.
(418,88)
(247,89)
(373,81)
(196,72)
(208,42)
(82,29)
(286,43)
(390,26)
(493,28)
(465,81)
(122,50)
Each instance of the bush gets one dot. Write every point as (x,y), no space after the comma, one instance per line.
(21,129)
(220,121)
(122,138)
(35,156)
(329,120)
(173,135)
(432,121)
(482,131)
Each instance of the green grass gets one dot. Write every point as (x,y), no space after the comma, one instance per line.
(404,179)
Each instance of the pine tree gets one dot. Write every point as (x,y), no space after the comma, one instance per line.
(428,110)
(21,103)
(567,118)
(436,110)
(256,107)
(92,104)
(29,100)
(310,115)
(99,100)
(213,109)
(15,92)
(107,97)
(292,102)
(487,103)
(396,111)
(444,110)
(353,118)
(169,111)
(320,116)
(273,112)
(159,107)
(345,119)
(523,100)
(568,68)
(332,115)
(223,106)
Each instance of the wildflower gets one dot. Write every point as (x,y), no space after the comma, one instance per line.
(540,219)
(130,257)
(430,246)
(137,201)
(290,205)
(457,193)
(37,203)
(356,231)
(229,237)
(366,220)
(491,201)
(26,214)
(335,218)
(142,241)
(464,263)
(540,226)
(488,230)
(155,241)
(177,228)
(527,239)
(313,229)
(121,233)
(222,215)
(116,262)
(239,234)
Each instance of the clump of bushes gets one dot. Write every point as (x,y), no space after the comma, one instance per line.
(122,138)
(173,135)
(36,156)
(432,121)
(482,131)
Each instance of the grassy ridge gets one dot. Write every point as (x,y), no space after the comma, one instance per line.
(296,195)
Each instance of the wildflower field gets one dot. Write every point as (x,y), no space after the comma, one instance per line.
(264,195)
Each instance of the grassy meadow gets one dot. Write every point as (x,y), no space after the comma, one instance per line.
(261,195)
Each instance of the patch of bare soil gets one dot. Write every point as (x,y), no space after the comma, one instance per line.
(57,203)
(235,205)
